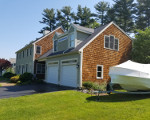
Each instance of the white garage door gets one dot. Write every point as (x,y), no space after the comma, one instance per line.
(69,75)
(52,74)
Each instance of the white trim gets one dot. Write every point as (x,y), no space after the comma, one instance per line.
(40,49)
(81,49)
(81,63)
(49,34)
(69,60)
(101,71)
(51,62)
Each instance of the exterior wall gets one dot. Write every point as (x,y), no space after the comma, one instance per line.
(81,37)
(65,57)
(26,60)
(95,54)
(46,43)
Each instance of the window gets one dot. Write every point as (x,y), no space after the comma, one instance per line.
(111,42)
(72,41)
(19,55)
(22,69)
(55,45)
(26,67)
(38,49)
(30,50)
(19,69)
(27,52)
(99,71)
(40,68)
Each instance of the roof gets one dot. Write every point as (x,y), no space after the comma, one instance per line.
(40,38)
(85,29)
(83,44)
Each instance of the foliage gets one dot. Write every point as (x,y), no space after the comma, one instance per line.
(8,75)
(4,64)
(15,79)
(143,14)
(26,78)
(88,85)
(123,14)
(141,46)
(102,8)
(10,69)
(49,19)
(101,86)
(117,87)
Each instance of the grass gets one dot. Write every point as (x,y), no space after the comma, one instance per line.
(73,105)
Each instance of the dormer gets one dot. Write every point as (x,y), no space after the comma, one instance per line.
(72,38)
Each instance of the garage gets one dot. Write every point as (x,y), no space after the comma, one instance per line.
(69,73)
(52,73)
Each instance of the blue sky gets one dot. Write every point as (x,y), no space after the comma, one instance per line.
(19,21)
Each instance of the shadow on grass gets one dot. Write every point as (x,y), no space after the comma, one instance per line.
(118,97)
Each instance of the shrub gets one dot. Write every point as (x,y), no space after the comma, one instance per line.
(88,85)
(26,77)
(116,87)
(15,79)
(8,75)
(101,86)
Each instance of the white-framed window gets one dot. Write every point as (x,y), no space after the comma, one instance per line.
(23,54)
(30,50)
(26,67)
(22,69)
(38,49)
(27,52)
(111,42)
(55,45)
(72,40)
(40,68)
(99,72)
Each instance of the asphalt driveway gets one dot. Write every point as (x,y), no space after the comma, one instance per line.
(15,91)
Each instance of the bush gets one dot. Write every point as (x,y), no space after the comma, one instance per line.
(8,75)
(117,87)
(101,86)
(15,79)
(26,77)
(88,85)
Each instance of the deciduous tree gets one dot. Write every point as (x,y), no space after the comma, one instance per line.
(4,64)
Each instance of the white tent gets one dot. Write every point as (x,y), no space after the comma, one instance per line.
(131,76)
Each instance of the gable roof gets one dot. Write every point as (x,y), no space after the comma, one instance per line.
(33,42)
(83,44)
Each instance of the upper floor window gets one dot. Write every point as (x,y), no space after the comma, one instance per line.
(111,42)
(99,71)
(72,41)
(30,50)
(55,45)
(27,52)
(23,54)
(38,49)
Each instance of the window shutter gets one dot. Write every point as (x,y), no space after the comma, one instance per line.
(106,42)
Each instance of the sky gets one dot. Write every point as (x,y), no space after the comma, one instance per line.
(19,21)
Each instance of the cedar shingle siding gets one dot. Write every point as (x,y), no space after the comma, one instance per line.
(95,54)
(46,43)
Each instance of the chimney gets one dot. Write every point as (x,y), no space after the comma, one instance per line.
(45,32)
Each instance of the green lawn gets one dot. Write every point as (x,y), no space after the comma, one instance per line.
(73,105)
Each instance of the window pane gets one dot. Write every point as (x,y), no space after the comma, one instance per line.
(72,44)
(38,49)
(43,68)
(72,41)
(99,68)
(106,41)
(30,50)
(116,44)
(112,42)
(38,68)
(99,74)
(55,45)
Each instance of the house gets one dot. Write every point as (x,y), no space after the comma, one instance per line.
(26,57)
(85,54)
(13,63)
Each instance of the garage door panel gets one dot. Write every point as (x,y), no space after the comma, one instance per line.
(69,75)
(52,74)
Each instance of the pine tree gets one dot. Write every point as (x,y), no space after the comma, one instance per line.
(143,14)
(123,14)
(48,19)
(101,8)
